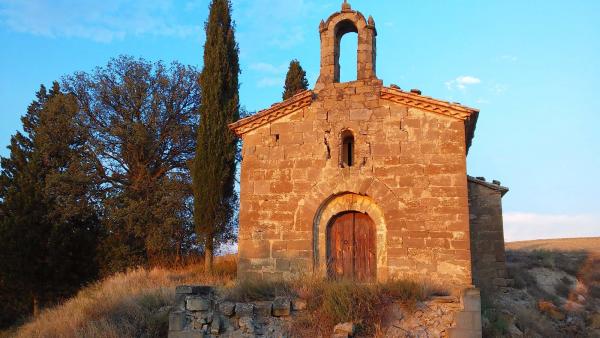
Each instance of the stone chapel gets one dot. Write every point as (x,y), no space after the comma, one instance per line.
(365,181)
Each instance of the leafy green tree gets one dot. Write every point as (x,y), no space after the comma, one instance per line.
(295,80)
(214,166)
(49,224)
(142,119)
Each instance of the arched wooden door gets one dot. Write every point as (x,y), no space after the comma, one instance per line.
(351,252)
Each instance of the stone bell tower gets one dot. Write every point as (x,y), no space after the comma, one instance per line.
(332,31)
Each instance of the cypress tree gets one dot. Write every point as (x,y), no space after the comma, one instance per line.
(214,166)
(295,80)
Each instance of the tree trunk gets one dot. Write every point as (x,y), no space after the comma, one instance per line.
(36,306)
(208,255)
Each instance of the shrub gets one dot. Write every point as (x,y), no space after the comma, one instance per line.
(332,302)
(522,278)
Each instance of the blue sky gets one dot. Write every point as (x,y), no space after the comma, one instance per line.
(530,66)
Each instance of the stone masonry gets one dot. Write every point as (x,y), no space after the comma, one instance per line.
(200,311)
(487,234)
(407,173)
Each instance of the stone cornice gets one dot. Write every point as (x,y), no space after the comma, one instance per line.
(427,103)
(503,190)
(295,103)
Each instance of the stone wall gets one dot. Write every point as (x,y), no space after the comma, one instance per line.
(200,312)
(487,234)
(411,164)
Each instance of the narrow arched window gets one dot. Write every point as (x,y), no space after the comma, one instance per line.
(347,149)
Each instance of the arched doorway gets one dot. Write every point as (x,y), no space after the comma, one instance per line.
(351,247)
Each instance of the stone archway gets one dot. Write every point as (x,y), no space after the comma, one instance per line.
(349,202)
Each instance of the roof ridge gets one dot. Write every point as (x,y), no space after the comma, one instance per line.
(422,101)
(298,101)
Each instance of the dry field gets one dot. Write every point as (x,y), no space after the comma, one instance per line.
(590,244)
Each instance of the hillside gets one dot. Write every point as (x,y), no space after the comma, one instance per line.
(589,244)
(555,290)
(130,304)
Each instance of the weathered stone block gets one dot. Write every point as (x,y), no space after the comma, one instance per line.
(198,304)
(244,310)
(180,301)
(281,307)
(347,328)
(227,308)
(263,308)
(215,326)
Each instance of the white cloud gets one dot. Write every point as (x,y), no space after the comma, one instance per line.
(101,21)
(508,58)
(462,82)
(520,226)
(270,82)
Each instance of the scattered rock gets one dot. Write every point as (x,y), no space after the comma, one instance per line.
(215,326)
(281,306)
(246,325)
(299,304)
(347,328)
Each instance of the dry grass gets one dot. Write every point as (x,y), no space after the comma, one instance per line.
(332,302)
(137,303)
(124,305)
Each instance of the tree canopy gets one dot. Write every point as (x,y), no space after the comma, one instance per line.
(295,80)
(142,119)
(49,226)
